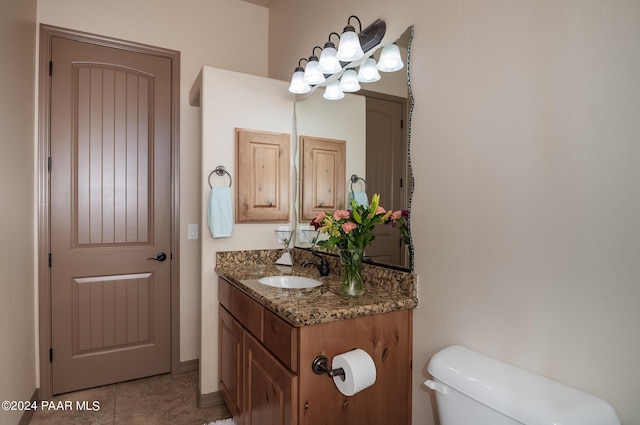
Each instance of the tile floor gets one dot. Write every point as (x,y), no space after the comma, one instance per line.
(158,400)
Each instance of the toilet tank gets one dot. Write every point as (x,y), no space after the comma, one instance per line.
(472,388)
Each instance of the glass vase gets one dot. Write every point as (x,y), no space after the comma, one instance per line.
(351,260)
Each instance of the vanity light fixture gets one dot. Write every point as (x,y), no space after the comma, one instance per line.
(329,64)
(349,81)
(298,86)
(312,74)
(333,91)
(390,59)
(351,50)
(368,72)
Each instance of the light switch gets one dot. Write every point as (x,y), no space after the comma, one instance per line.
(192,232)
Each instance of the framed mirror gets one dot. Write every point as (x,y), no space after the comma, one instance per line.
(375,122)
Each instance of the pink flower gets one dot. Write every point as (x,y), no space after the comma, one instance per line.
(396,215)
(320,216)
(340,214)
(380,210)
(317,221)
(348,227)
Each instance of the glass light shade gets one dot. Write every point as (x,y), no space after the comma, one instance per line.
(333,91)
(329,64)
(312,74)
(390,59)
(368,73)
(349,81)
(349,48)
(298,86)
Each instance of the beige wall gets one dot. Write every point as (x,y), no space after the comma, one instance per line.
(202,31)
(231,100)
(17,246)
(525,153)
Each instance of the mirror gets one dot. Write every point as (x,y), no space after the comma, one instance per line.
(375,123)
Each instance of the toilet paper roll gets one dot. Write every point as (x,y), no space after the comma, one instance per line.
(359,371)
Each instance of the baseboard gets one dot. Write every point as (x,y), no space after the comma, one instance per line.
(189,366)
(204,400)
(28,414)
(210,399)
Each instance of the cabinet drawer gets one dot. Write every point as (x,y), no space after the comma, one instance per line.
(241,306)
(281,339)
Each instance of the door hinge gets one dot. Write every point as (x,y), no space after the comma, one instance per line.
(401,123)
(50,68)
(49,260)
(50,355)
(401,182)
(49,164)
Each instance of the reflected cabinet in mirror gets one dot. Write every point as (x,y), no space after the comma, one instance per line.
(375,124)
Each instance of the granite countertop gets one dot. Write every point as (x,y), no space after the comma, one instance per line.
(387,290)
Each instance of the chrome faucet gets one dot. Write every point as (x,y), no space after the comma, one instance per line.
(323,266)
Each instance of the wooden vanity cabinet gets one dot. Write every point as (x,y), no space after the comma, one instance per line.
(231,350)
(269,388)
(265,366)
(257,387)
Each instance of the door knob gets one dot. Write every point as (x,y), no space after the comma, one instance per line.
(160,257)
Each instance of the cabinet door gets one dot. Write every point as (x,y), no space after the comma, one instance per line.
(323,164)
(230,362)
(262,191)
(270,390)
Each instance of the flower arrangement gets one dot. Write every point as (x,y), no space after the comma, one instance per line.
(400,220)
(351,231)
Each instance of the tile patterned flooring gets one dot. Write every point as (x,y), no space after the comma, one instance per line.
(158,400)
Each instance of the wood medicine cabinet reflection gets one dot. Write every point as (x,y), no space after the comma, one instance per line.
(262,164)
(322,187)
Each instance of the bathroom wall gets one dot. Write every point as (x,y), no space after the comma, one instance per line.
(525,155)
(231,100)
(17,185)
(202,31)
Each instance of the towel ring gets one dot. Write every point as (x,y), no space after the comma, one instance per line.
(219,170)
(354,179)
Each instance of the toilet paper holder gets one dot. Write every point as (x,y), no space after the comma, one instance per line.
(320,365)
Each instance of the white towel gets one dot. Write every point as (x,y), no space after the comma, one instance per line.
(360,198)
(220,217)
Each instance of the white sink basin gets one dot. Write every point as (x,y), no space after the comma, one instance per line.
(291,282)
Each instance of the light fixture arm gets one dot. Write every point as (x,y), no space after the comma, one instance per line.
(332,33)
(357,19)
(313,53)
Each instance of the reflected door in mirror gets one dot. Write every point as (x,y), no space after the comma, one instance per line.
(386,170)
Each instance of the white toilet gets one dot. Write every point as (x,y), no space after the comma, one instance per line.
(474,389)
